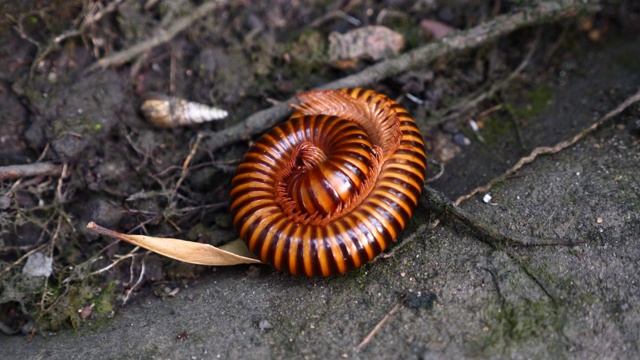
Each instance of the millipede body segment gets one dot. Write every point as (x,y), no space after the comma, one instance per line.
(333,186)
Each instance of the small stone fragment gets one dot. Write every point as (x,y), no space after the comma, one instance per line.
(38,265)
(368,42)
(264,325)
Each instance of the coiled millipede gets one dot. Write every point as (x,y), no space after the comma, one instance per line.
(333,186)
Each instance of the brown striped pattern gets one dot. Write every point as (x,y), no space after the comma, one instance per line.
(332,187)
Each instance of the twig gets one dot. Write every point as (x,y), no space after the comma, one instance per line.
(437,176)
(161,36)
(54,237)
(96,16)
(142,271)
(544,11)
(490,110)
(35,169)
(20,30)
(146,154)
(44,152)
(60,196)
(131,254)
(185,165)
(542,150)
(88,18)
(472,101)
(13,249)
(379,325)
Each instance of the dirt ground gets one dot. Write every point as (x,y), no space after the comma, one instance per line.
(66,292)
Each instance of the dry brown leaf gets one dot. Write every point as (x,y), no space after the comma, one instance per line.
(187,251)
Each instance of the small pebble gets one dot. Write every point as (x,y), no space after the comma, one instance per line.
(265,325)
(5,202)
(461,140)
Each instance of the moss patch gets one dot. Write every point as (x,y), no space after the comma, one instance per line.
(511,324)
(536,102)
(76,304)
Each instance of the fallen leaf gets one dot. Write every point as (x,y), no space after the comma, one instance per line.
(234,253)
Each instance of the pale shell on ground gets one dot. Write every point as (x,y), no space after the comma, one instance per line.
(169,111)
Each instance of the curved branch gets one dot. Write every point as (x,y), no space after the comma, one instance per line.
(545,11)
(161,36)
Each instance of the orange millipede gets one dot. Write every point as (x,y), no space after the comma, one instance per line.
(333,186)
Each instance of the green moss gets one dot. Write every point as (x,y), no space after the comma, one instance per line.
(76,124)
(105,301)
(65,305)
(507,324)
(308,55)
(628,60)
(501,129)
(537,101)
(515,323)
(495,130)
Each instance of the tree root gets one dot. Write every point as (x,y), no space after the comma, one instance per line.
(448,211)
(35,169)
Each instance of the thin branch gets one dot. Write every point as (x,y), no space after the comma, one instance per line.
(131,254)
(161,36)
(140,278)
(92,16)
(35,169)
(59,195)
(379,325)
(542,150)
(472,101)
(437,176)
(185,165)
(544,11)
(95,15)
